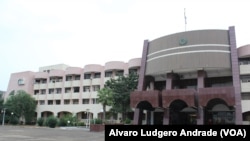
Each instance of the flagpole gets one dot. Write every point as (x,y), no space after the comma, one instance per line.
(185,18)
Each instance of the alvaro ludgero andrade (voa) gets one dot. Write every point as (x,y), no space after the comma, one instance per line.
(160,133)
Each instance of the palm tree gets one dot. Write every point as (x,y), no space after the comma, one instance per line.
(105,96)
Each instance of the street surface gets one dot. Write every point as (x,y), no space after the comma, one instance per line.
(35,133)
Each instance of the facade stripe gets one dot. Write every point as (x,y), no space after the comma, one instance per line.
(188,52)
(198,45)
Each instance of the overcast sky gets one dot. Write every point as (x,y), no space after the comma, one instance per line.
(36,33)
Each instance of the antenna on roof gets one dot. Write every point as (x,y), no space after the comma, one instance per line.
(185,18)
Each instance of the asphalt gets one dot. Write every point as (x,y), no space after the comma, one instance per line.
(36,133)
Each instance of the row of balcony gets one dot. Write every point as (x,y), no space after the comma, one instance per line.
(66,96)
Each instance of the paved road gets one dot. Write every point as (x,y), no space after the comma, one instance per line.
(34,133)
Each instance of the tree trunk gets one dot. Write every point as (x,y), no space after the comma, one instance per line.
(104,113)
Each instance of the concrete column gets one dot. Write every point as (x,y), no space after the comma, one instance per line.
(201,78)
(200,116)
(138,116)
(166,116)
(169,81)
(152,118)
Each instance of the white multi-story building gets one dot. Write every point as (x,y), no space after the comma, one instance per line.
(61,89)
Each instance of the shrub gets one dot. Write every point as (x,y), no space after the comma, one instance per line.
(81,124)
(40,121)
(51,121)
(62,122)
(127,121)
(14,120)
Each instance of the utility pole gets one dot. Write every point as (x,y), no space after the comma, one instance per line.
(3,111)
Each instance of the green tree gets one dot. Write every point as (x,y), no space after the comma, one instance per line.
(122,87)
(23,105)
(105,97)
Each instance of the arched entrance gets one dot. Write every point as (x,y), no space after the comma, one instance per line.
(46,114)
(218,112)
(180,113)
(63,113)
(145,112)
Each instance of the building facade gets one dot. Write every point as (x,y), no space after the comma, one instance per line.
(193,77)
(61,89)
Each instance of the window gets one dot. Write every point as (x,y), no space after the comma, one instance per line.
(51,91)
(96,87)
(245,79)
(108,73)
(37,81)
(43,91)
(244,61)
(58,90)
(55,79)
(86,88)
(75,101)
(20,82)
(58,102)
(36,92)
(95,101)
(119,73)
(85,101)
(50,102)
(44,81)
(87,76)
(76,89)
(67,90)
(97,75)
(41,102)
(68,78)
(66,101)
(77,77)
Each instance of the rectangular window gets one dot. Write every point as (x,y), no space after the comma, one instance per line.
(36,92)
(37,81)
(97,75)
(68,78)
(77,77)
(43,91)
(51,91)
(41,102)
(58,102)
(58,90)
(96,87)
(66,101)
(119,73)
(44,81)
(86,88)
(87,76)
(85,101)
(67,90)
(50,102)
(75,101)
(76,89)
(95,101)
(108,73)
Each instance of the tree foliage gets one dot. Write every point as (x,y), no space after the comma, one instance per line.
(122,87)
(105,97)
(23,105)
